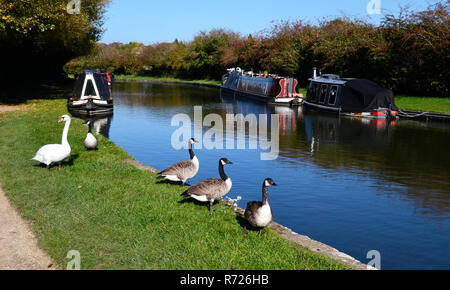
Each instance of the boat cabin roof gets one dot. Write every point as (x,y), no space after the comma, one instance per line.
(91,84)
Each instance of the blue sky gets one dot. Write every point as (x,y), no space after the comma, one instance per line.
(150,21)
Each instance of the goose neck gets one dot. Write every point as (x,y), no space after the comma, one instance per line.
(265,190)
(191,152)
(222,172)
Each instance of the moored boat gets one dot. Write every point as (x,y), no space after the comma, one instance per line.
(350,96)
(271,89)
(91,94)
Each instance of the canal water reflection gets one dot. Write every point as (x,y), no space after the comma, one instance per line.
(355,184)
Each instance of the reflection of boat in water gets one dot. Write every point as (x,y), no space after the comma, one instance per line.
(101,124)
(287,115)
(91,94)
(261,87)
(347,96)
(359,132)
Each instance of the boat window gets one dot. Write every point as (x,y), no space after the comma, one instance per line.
(323,93)
(314,92)
(89,91)
(333,94)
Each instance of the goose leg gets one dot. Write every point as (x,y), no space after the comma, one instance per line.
(48,167)
(259,232)
(59,166)
(244,230)
(210,206)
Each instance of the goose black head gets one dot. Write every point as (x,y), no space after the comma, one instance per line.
(64,118)
(269,182)
(224,161)
(192,141)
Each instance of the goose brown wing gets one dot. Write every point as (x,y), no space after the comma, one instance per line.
(181,168)
(251,210)
(209,187)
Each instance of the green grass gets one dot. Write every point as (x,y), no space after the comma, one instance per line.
(119,217)
(423,104)
(167,79)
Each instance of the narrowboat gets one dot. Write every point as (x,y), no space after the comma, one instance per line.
(91,94)
(271,89)
(350,96)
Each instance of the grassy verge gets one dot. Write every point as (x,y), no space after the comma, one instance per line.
(119,217)
(423,104)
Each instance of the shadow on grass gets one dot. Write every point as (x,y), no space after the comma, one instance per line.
(64,163)
(198,203)
(19,93)
(165,181)
(244,223)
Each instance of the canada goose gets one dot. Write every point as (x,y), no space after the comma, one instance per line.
(257,213)
(90,142)
(183,170)
(210,189)
(52,153)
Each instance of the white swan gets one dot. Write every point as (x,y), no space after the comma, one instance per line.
(53,153)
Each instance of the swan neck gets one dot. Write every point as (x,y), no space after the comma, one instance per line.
(65,132)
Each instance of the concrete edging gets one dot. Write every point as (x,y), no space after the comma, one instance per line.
(287,233)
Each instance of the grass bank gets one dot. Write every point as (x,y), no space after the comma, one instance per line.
(423,104)
(119,217)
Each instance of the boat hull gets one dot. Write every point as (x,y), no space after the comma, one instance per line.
(269,100)
(91,107)
(271,90)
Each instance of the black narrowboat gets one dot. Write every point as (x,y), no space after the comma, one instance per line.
(350,96)
(271,89)
(91,94)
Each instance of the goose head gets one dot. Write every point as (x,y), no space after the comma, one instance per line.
(192,141)
(269,182)
(224,161)
(64,118)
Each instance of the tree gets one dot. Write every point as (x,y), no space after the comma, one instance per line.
(37,37)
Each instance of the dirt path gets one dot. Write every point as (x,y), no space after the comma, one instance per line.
(18,245)
(9,108)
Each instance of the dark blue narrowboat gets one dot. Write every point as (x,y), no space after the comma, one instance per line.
(91,94)
(271,89)
(350,96)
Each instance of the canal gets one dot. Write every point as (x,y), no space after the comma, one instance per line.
(355,184)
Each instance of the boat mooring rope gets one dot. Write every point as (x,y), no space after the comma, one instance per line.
(407,115)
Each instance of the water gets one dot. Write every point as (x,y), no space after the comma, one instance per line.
(357,185)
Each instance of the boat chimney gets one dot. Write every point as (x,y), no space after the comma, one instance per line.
(315,72)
